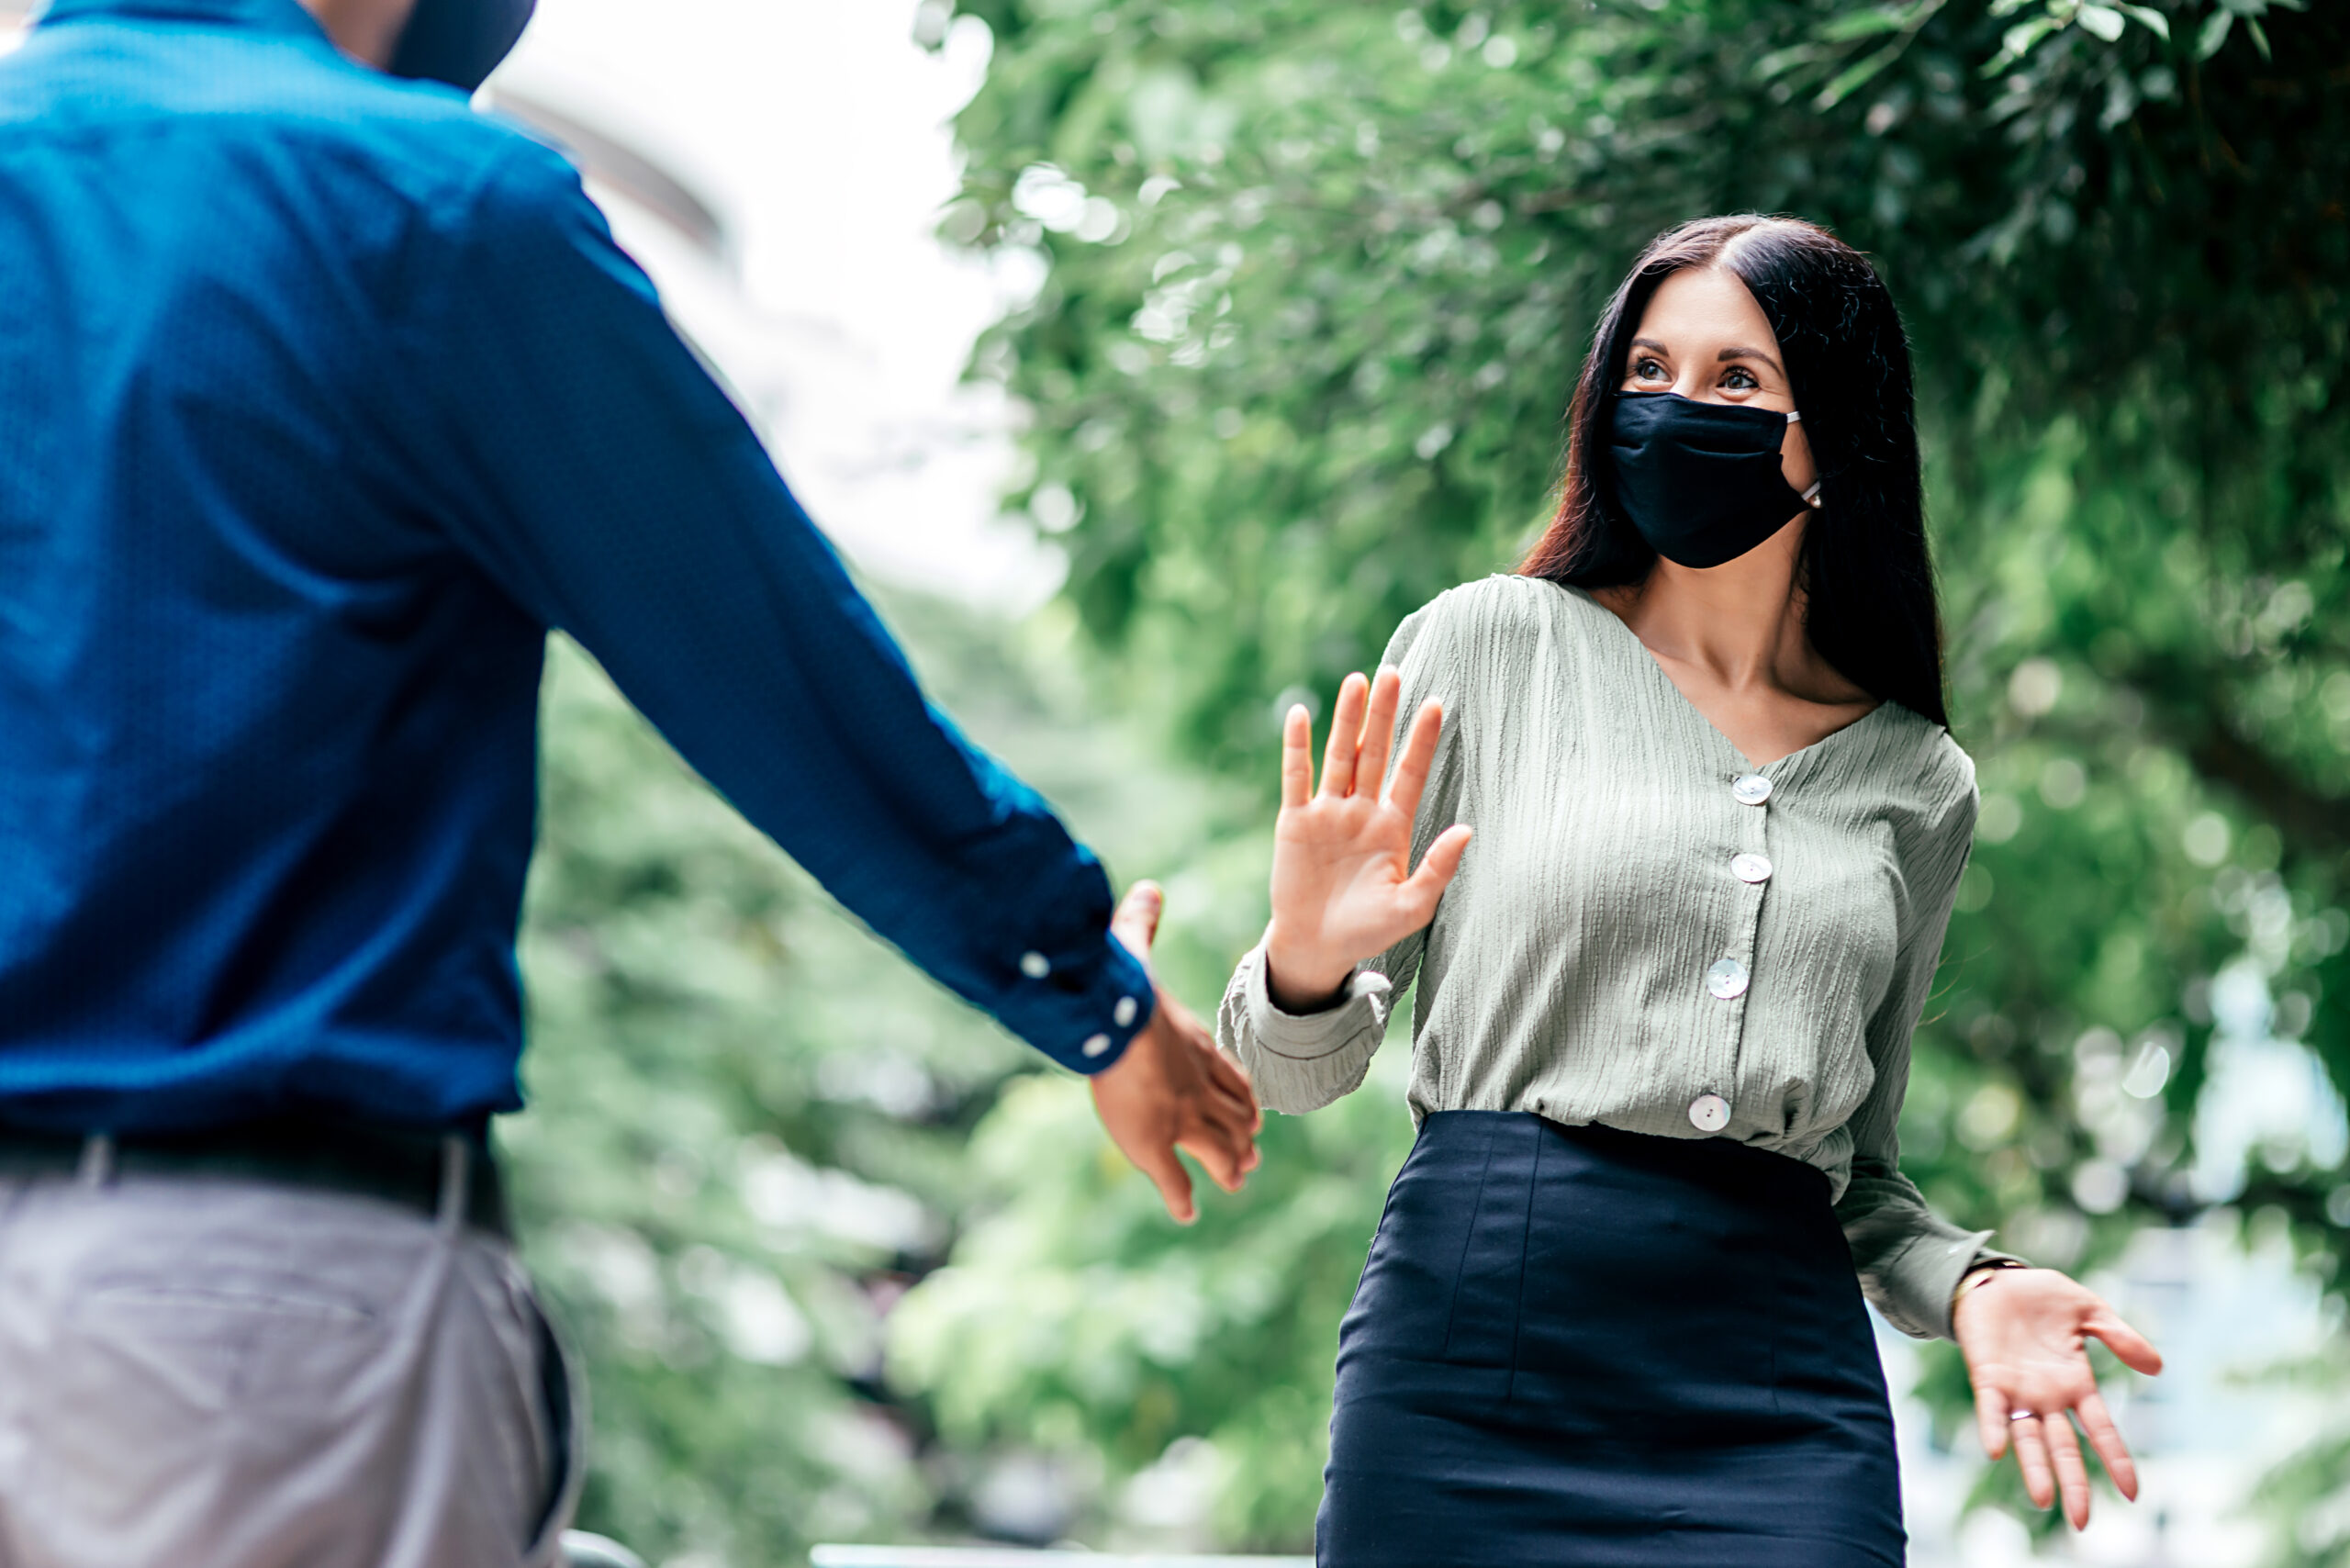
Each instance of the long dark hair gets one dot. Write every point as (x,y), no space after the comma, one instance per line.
(1866,575)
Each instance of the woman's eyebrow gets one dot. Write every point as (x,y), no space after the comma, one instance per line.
(1728,354)
(1649,343)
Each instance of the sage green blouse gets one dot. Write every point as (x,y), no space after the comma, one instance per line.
(1650,932)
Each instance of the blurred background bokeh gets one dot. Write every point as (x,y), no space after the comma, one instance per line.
(1151,359)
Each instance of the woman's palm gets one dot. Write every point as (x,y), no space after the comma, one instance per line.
(1343,885)
(2025,1334)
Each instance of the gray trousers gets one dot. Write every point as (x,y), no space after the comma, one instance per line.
(217,1373)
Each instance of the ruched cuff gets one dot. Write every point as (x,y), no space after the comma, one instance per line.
(1301,1062)
(1914,1289)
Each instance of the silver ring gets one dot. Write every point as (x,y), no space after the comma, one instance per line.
(2023,1416)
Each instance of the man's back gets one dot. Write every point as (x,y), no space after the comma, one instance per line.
(256,842)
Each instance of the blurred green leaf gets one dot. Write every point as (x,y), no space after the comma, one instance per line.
(1868,23)
(2101,21)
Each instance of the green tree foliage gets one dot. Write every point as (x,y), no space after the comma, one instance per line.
(745,1121)
(751,1124)
(1320,276)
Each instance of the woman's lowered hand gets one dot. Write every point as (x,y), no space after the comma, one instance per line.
(2026,1334)
(1344,888)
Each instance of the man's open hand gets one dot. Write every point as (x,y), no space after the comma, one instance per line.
(1172,1088)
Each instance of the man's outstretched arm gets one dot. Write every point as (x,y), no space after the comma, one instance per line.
(576,451)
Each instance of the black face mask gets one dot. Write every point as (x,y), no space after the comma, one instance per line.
(459,41)
(1701,481)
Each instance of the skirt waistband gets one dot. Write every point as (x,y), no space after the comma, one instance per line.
(1734,1171)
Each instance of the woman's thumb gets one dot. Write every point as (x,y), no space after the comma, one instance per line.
(1443,858)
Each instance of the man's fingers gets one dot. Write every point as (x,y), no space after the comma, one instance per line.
(2032,1456)
(1419,755)
(1136,925)
(1297,755)
(1226,1094)
(1231,1085)
(1346,738)
(1225,1082)
(2072,1475)
(1158,1161)
(1232,1111)
(1219,1126)
(2137,1352)
(1378,730)
(1220,1100)
(1231,1132)
(1221,1151)
(1991,1420)
(2106,1439)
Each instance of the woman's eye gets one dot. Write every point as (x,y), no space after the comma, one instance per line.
(1742,378)
(1647,370)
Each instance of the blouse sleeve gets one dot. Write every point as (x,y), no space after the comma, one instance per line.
(1909,1258)
(1301,1062)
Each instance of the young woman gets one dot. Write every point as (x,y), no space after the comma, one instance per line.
(1663,1013)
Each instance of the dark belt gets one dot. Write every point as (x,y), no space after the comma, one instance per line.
(400,1165)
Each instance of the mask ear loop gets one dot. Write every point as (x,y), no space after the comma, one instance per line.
(1810,497)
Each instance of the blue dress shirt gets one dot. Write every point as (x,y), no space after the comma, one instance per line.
(321,398)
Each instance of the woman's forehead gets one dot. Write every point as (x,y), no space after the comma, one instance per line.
(1708,304)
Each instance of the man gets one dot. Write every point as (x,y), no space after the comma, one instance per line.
(321,399)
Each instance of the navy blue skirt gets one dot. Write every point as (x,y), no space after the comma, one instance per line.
(1592,1349)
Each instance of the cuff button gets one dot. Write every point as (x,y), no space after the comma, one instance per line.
(1034,965)
(1124,1013)
(1096,1046)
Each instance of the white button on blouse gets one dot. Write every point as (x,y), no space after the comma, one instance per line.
(1751,790)
(1750,867)
(1727,980)
(1709,1112)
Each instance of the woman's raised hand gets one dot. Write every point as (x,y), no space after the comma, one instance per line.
(2026,1334)
(1343,885)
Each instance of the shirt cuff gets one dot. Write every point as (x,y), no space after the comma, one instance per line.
(1303,1037)
(1082,1012)
(1927,1277)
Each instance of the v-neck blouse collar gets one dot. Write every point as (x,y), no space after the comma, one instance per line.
(1778,768)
